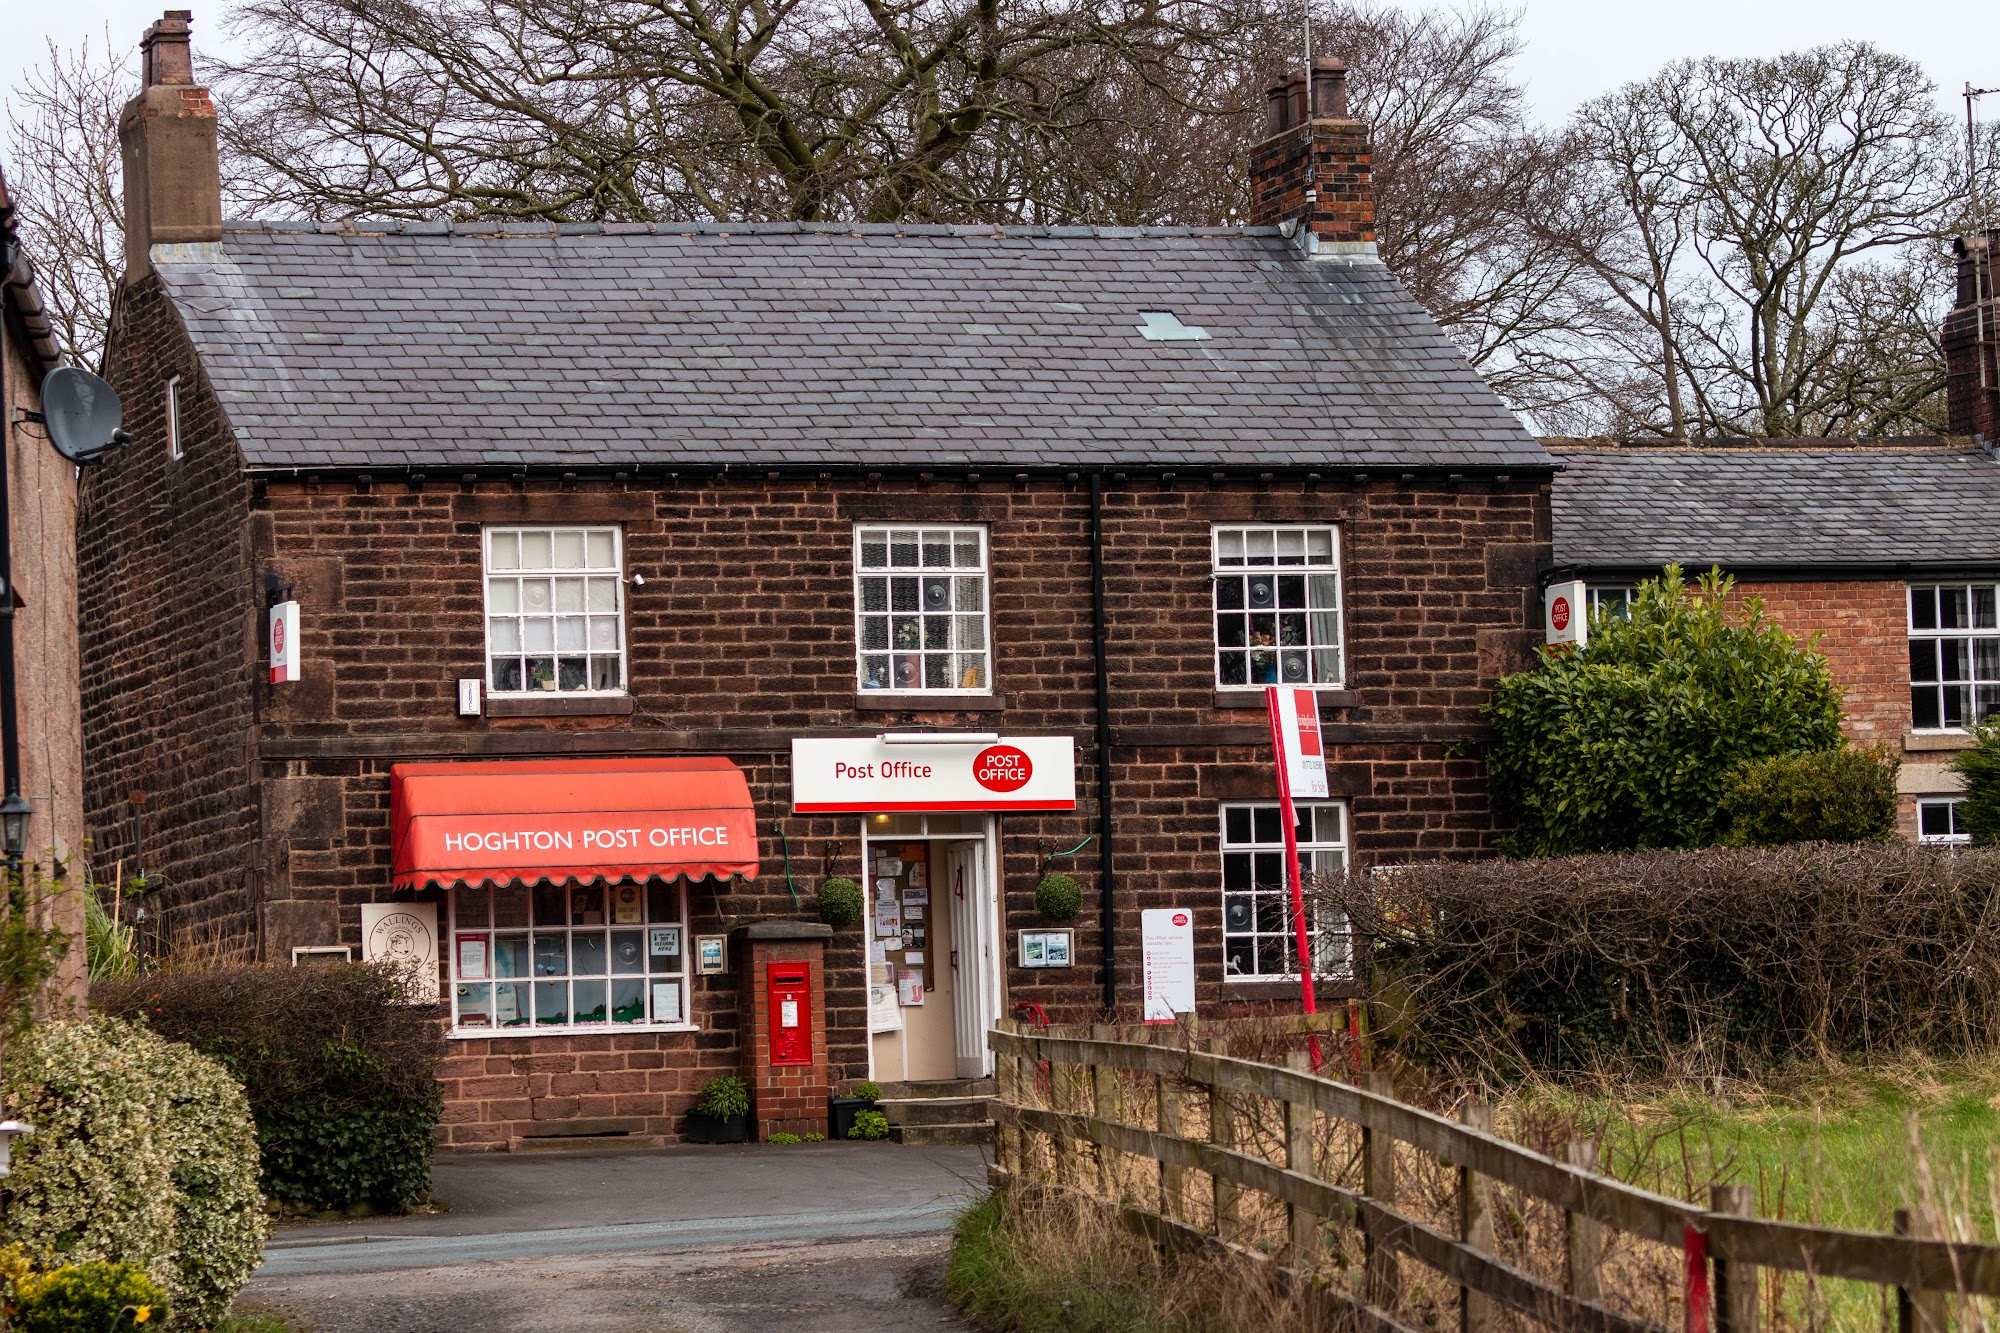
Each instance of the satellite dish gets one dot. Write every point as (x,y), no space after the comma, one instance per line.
(83,414)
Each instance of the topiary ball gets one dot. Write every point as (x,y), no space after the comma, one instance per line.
(840,903)
(1058,897)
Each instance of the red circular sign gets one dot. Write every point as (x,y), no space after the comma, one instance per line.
(278,636)
(1002,768)
(1559,613)
(1180,918)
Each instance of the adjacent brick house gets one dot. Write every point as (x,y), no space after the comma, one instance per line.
(1887,549)
(906,506)
(38,490)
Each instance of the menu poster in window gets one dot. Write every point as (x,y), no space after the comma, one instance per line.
(917,880)
(917,894)
(666,1002)
(909,986)
(628,905)
(472,957)
(404,935)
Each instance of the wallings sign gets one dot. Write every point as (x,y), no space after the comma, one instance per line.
(876,774)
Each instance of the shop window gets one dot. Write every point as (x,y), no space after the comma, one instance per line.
(548,956)
(1942,821)
(921,610)
(1954,655)
(555,610)
(1258,942)
(1277,607)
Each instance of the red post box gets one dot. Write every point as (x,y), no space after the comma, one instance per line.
(791,1020)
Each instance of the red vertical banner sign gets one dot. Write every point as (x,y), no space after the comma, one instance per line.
(1301,756)
(1694,1296)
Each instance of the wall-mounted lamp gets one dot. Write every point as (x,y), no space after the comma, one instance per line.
(15,811)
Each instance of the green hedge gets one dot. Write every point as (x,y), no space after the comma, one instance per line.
(1843,795)
(341,1074)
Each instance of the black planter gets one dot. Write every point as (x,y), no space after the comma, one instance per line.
(706,1128)
(840,1113)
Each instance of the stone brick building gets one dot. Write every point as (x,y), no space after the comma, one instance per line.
(38,489)
(968,548)
(1887,549)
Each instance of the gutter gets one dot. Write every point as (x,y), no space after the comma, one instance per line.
(1857,570)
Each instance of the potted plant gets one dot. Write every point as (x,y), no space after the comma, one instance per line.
(840,903)
(841,1111)
(722,1113)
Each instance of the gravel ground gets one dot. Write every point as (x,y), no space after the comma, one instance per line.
(874,1286)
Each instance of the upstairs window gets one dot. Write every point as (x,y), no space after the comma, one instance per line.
(555,610)
(1954,654)
(1277,607)
(1611,601)
(921,610)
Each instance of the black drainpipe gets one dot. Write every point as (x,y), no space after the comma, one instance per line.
(1106,896)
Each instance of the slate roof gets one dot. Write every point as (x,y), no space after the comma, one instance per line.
(770,345)
(1935,503)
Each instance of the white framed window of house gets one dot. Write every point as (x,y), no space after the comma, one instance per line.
(1943,821)
(555,610)
(1954,654)
(1258,941)
(1277,606)
(173,410)
(1610,601)
(922,624)
(563,957)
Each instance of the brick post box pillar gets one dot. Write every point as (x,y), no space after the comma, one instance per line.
(783,966)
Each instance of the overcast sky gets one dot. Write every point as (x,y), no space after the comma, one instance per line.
(1574,48)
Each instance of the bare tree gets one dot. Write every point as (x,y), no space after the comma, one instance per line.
(65,172)
(1745,222)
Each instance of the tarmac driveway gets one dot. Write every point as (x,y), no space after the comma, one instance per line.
(681,1240)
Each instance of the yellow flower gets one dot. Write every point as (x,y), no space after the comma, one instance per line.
(142,1314)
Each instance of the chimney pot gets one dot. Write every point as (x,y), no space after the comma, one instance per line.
(1329,88)
(166,56)
(1276,119)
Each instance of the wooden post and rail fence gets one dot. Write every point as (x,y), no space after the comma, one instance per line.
(1343,1188)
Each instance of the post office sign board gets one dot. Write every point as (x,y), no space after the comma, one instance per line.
(1565,614)
(868,775)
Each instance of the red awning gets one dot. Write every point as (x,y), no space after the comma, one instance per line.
(561,819)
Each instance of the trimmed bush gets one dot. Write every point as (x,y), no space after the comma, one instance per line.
(1058,898)
(341,1073)
(840,903)
(90,1298)
(143,1152)
(1844,795)
(1628,742)
(723,1096)
(1980,767)
(1727,960)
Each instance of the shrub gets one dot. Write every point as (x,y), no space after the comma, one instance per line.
(867,1090)
(869,1125)
(1843,795)
(780,1137)
(723,1096)
(143,1152)
(88,1298)
(341,1073)
(840,903)
(1721,960)
(813,1136)
(1980,767)
(1058,898)
(1627,743)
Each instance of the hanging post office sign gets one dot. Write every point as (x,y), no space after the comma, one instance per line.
(933,771)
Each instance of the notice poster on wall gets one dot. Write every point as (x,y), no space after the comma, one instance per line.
(888,916)
(405,936)
(910,986)
(1166,941)
(472,957)
(666,1002)
(884,1014)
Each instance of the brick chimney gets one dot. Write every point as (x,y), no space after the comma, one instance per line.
(1971,337)
(1313,164)
(173,182)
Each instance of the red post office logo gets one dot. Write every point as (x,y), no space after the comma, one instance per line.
(278,636)
(1002,768)
(1559,613)
(1180,918)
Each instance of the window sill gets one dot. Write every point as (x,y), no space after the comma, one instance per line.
(1229,700)
(580,1030)
(882,701)
(557,705)
(1939,740)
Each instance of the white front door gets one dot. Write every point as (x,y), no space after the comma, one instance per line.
(975,966)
